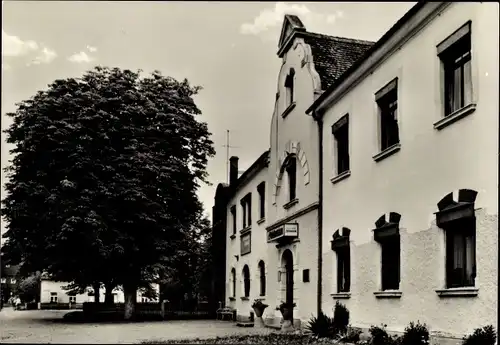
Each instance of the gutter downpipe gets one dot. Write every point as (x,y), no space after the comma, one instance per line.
(319,121)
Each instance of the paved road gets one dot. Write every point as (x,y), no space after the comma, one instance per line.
(46,326)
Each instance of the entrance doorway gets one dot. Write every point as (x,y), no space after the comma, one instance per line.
(287,264)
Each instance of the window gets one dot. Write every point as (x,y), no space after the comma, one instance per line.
(291,170)
(233,281)
(341,246)
(461,253)
(3,281)
(390,263)
(305,276)
(12,280)
(343,270)
(53,297)
(289,87)
(386,233)
(455,56)
(246,281)
(261,189)
(233,217)
(72,299)
(246,207)
(387,101)
(458,221)
(262,278)
(340,131)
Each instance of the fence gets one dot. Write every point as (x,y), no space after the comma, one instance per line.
(60,306)
(147,310)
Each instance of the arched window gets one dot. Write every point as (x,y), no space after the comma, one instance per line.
(233,281)
(289,87)
(246,281)
(291,171)
(262,278)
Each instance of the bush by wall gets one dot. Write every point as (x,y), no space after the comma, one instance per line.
(481,336)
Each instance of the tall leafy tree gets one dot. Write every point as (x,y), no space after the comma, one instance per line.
(102,186)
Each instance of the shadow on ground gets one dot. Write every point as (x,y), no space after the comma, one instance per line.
(113,318)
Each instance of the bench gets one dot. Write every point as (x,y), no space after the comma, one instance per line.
(222,313)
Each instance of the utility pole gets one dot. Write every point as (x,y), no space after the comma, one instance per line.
(227,146)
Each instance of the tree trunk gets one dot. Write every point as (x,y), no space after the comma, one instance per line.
(130,293)
(108,297)
(96,288)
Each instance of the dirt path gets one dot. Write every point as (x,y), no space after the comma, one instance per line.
(46,326)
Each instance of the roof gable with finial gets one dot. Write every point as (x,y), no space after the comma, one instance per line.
(291,23)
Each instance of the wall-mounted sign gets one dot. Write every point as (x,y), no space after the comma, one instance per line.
(246,243)
(288,230)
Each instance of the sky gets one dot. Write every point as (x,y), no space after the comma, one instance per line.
(228,48)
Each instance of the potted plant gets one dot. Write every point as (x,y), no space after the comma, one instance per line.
(286,309)
(259,308)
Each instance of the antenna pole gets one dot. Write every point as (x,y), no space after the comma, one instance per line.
(227,156)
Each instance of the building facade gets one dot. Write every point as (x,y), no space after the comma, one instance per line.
(383,174)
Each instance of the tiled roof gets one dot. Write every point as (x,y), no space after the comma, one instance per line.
(332,55)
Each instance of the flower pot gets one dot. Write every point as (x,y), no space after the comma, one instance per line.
(287,313)
(259,309)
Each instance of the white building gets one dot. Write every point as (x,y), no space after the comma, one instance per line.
(53,292)
(407,134)
(382,178)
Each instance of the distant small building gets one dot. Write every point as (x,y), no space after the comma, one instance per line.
(8,281)
(52,291)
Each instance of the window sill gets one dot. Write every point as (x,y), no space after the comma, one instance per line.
(290,203)
(388,294)
(262,220)
(340,177)
(341,295)
(243,254)
(232,298)
(233,236)
(244,298)
(458,292)
(387,152)
(455,116)
(288,110)
(246,230)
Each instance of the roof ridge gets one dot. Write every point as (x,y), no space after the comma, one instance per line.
(339,38)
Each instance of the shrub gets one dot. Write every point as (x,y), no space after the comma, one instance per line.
(351,335)
(321,326)
(380,336)
(415,334)
(481,336)
(340,317)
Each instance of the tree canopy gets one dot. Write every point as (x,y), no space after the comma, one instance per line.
(104,177)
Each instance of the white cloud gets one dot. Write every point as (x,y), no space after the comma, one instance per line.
(92,49)
(80,57)
(273,18)
(46,55)
(14,46)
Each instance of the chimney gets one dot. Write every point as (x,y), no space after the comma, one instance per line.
(233,170)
